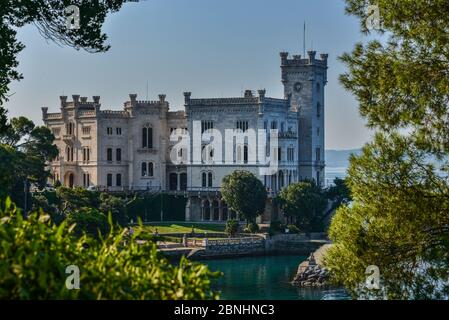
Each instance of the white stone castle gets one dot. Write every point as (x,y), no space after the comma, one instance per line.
(133,149)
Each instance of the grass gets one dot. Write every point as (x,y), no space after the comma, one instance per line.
(184,227)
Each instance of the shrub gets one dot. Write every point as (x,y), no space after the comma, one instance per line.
(232,228)
(276,227)
(252,228)
(293,229)
(34,255)
(90,221)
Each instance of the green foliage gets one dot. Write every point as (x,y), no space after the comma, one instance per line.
(339,192)
(399,217)
(252,227)
(276,227)
(306,202)
(34,255)
(88,220)
(293,229)
(232,228)
(244,193)
(398,221)
(24,151)
(116,206)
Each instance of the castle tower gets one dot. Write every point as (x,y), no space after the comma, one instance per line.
(304,80)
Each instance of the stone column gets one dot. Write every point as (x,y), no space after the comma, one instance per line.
(202,210)
(220,210)
(211,210)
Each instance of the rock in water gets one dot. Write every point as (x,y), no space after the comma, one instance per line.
(310,272)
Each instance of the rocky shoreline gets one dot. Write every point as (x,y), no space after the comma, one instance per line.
(311,273)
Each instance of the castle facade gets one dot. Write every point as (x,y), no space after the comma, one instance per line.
(148,148)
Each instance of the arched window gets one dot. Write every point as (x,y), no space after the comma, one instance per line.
(144,137)
(318,88)
(147,137)
(209,178)
(118,181)
(69,128)
(282,126)
(318,109)
(144,169)
(204,180)
(274,125)
(150,169)
(69,154)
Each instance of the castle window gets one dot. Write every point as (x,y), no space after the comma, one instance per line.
(118,155)
(109,154)
(206,125)
(282,127)
(318,109)
(86,155)
(274,125)
(69,128)
(318,154)
(69,154)
(109,180)
(118,131)
(109,131)
(242,125)
(209,176)
(150,169)
(144,169)
(204,179)
(290,154)
(118,180)
(318,131)
(86,179)
(147,137)
(86,130)
(318,87)
(56,131)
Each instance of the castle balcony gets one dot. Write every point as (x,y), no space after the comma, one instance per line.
(68,138)
(147,150)
(288,135)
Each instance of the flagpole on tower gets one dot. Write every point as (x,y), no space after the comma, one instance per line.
(304,40)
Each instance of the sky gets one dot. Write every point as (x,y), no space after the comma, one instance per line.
(213,48)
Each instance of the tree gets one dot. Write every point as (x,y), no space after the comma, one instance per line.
(116,206)
(305,202)
(35,254)
(50,18)
(24,151)
(245,194)
(88,221)
(232,228)
(398,219)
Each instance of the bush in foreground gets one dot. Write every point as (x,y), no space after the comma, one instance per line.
(34,255)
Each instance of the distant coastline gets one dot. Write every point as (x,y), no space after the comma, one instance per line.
(337,163)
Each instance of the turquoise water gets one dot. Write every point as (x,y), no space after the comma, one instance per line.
(264,278)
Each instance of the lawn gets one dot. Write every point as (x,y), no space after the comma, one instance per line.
(184,227)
